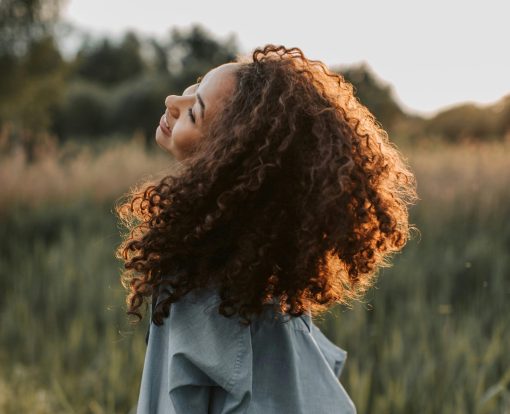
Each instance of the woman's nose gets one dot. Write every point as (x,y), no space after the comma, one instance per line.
(171,104)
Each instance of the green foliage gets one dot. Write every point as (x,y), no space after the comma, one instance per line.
(32,87)
(62,314)
(84,110)
(31,65)
(32,68)
(43,57)
(431,337)
(193,52)
(90,110)
(41,93)
(471,122)
(107,64)
(116,89)
(34,100)
(502,110)
(108,87)
(464,121)
(137,106)
(23,22)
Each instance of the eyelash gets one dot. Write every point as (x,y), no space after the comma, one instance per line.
(191,115)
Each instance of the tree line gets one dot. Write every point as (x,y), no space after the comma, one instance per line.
(118,86)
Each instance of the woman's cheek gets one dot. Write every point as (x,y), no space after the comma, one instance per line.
(185,141)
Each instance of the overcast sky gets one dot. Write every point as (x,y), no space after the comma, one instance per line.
(434,53)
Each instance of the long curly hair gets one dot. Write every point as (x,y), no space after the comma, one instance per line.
(295,196)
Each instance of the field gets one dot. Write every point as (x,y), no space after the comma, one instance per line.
(433,335)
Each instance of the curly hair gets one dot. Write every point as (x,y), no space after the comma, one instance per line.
(295,195)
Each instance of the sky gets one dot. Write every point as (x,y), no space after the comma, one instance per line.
(435,53)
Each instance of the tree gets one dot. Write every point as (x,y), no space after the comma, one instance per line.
(108,63)
(465,121)
(137,83)
(192,53)
(24,21)
(31,68)
(374,94)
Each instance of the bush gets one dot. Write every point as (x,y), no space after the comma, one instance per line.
(464,121)
(82,111)
(138,105)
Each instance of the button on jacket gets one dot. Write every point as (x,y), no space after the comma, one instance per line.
(201,362)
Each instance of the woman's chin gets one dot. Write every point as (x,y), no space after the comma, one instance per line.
(163,141)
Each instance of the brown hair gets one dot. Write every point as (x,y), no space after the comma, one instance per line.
(294,193)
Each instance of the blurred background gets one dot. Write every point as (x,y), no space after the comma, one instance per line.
(82,85)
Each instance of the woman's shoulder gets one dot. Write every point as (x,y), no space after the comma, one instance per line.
(199,311)
(203,347)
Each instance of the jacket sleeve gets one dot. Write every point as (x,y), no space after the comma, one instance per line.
(207,351)
(334,355)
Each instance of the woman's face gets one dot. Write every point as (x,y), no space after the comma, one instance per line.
(186,117)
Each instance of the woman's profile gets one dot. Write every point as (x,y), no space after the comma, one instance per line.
(288,197)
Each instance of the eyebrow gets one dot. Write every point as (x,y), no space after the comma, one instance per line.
(201,102)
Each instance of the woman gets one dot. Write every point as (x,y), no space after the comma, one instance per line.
(288,198)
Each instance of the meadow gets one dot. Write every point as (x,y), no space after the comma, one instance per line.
(432,336)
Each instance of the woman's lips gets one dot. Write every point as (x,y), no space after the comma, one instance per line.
(164,128)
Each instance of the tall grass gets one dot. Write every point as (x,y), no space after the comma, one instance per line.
(431,337)
(434,335)
(98,171)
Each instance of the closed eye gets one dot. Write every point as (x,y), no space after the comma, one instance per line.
(190,113)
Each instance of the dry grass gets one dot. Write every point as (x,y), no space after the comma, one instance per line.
(73,171)
(447,172)
(432,337)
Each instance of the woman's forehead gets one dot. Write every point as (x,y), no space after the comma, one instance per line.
(220,77)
